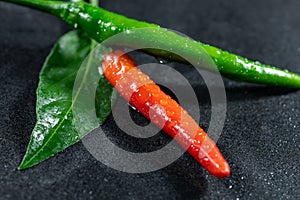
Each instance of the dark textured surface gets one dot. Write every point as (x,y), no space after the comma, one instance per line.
(261,134)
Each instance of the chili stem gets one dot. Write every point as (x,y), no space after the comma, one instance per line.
(101,24)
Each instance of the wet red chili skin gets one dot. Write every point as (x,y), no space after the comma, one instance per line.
(141,92)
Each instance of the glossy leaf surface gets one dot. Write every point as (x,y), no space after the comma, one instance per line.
(55,130)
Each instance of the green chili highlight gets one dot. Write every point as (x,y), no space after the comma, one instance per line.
(101,24)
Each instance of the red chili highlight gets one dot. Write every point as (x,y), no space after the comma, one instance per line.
(141,92)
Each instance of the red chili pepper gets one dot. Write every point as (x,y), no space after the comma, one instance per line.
(141,92)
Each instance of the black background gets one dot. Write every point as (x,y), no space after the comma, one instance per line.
(261,134)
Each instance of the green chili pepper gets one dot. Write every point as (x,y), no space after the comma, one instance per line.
(101,24)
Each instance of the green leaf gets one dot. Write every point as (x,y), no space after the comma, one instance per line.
(55,129)
(105,96)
